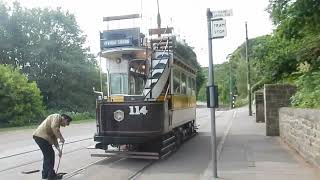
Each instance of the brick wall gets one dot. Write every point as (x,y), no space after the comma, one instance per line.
(258,96)
(300,128)
(275,96)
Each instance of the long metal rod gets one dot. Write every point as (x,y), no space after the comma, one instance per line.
(248,72)
(158,18)
(230,83)
(100,69)
(59,159)
(212,110)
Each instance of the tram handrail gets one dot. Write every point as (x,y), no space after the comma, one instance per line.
(158,63)
(164,50)
(165,96)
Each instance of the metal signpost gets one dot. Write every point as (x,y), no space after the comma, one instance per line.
(216,29)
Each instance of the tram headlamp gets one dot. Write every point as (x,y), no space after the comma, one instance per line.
(118,115)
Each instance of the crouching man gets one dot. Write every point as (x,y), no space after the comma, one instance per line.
(46,135)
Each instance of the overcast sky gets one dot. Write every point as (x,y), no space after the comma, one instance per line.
(188,17)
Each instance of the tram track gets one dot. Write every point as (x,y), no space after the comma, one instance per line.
(35,150)
(83,168)
(111,160)
(138,173)
(39,160)
(141,170)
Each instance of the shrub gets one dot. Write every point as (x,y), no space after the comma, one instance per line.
(308,95)
(20,100)
(241,102)
(76,116)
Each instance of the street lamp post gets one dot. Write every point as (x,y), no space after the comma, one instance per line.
(248,73)
(230,81)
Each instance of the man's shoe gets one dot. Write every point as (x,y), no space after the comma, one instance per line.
(57,176)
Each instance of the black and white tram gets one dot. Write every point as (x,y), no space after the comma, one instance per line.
(149,108)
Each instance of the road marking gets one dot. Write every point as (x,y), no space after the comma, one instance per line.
(225,134)
(208,173)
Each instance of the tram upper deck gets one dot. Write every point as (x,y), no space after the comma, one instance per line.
(139,67)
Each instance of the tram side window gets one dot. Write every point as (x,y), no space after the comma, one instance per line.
(189,87)
(193,87)
(176,81)
(183,83)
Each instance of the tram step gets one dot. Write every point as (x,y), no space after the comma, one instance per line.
(163,56)
(168,140)
(129,154)
(157,71)
(169,147)
(157,61)
(150,82)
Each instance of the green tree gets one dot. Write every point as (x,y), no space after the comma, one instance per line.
(20,100)
(190,58)
(308,92)
(295,18)
(48,46)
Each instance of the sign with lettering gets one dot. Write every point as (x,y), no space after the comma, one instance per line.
(219,29)
(222,13)
(117,43)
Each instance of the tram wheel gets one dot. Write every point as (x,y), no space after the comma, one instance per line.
(178,139)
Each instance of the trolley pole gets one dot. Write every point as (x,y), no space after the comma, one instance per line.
(248,72)
(212,109)
(100,69)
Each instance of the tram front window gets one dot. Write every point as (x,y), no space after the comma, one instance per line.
(136,85)
(119,83)
(137,76)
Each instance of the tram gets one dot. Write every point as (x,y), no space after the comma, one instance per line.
(149,107)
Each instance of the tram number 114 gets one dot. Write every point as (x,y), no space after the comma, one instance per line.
(136,110)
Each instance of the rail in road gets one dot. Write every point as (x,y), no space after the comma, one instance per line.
(26,153)
(34,150)
(111,161)
(78,148)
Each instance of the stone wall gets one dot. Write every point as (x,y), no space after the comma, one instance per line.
(258,96)
(300,128)
(275,96)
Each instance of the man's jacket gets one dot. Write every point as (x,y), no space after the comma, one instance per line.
(49,129)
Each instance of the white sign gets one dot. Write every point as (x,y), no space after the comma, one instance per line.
(222,13)
(219,29)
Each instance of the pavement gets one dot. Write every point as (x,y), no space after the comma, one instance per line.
(246,153)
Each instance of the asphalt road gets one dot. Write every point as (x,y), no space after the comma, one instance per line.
(18,152)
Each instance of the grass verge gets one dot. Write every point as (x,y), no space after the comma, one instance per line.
(6,129)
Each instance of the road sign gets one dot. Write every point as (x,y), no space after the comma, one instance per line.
(222,13)
(219,29)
